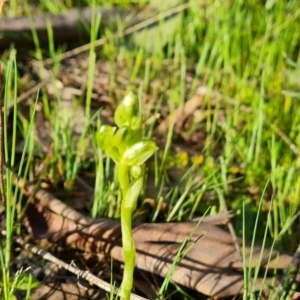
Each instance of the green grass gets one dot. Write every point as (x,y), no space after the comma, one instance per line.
(247,126)
(20,280)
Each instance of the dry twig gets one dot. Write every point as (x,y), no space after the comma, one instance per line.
(92,279)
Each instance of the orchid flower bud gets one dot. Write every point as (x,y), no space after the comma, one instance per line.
(136,171)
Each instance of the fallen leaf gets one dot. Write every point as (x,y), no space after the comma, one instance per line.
(212,266)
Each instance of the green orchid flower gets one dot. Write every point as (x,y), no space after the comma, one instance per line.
(128,113)
(129,152)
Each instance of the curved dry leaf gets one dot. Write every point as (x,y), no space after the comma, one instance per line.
(212,266)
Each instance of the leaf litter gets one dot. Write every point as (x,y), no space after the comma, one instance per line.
(212,267)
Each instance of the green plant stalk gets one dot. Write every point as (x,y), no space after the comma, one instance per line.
(126,147)
(130,195)
(129,251)
(126,228)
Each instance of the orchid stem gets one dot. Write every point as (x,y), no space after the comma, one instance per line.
(130,152)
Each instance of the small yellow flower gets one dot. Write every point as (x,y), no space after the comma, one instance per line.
(182,159)
(197,160)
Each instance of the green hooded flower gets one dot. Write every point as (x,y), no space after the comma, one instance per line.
(138,153)
(127,113)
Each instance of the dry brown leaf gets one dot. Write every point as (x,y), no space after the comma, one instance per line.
(212,266)
(62,291)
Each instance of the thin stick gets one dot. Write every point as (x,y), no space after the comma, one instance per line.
(86,275)
(101,42)
(29,92)
(286,139)
(126,32)
(51,202)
